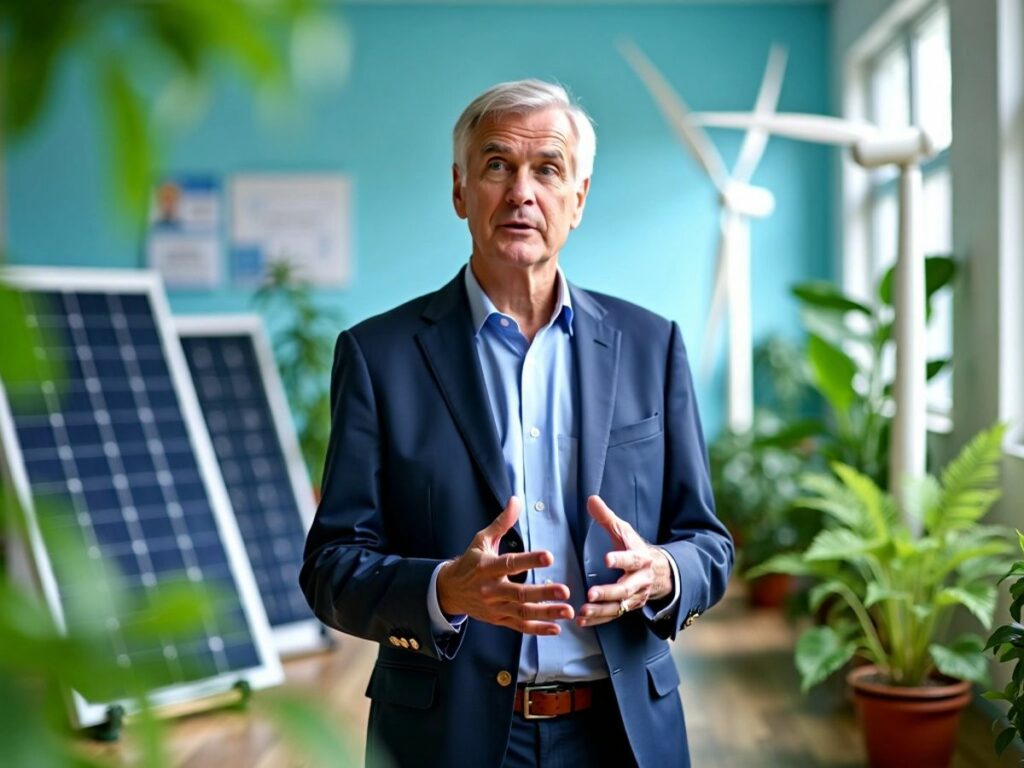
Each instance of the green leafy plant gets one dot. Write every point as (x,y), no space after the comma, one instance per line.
(891,589)
(848,343)
(149,65)
(1007,642)
(303,345)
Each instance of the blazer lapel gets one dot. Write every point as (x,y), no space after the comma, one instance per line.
(597,362)
(447,344)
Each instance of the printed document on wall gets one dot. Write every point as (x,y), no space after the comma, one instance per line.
(302,219)
(183,240)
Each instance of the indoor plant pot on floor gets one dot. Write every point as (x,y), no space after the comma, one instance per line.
(897,568)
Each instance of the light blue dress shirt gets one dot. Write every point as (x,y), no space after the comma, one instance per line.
(531,389)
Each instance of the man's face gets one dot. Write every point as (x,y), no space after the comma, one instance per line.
(520,197)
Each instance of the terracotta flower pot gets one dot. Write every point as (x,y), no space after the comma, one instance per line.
(908,727)
(770,590)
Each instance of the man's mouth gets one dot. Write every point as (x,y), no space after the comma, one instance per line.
(518,225)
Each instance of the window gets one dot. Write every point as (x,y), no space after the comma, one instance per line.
(908,83)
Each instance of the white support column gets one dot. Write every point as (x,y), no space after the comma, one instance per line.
(741,380)
(910,428)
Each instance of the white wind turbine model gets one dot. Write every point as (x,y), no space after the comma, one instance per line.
(740,201)
(872,147)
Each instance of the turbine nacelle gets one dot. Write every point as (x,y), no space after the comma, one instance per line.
(747,200)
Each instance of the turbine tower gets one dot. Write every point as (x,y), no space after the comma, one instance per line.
(740,202)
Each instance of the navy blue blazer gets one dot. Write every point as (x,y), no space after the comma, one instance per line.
(414,470)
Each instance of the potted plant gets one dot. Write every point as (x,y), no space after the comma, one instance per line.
(1007,642)
(848,343)
(895,568)
(303,341)
(755,474)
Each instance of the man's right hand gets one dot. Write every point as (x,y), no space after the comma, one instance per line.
(476,583)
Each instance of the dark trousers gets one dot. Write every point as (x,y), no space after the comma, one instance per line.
(593,738)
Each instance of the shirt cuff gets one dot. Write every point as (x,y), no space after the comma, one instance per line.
(673,599)
(439,624)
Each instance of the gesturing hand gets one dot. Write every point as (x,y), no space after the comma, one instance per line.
(476,583)
(648,576)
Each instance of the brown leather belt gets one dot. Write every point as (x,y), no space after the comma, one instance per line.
(541,702)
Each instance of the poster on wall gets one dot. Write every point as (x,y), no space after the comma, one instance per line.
(183,239)
(301,219)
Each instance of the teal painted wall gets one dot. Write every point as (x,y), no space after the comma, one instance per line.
(651,222)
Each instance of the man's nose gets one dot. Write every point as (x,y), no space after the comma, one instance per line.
(520,189)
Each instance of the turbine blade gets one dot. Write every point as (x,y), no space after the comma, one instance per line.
(756,140)
(677,113)
(821,129)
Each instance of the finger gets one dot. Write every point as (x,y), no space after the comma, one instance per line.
(512,563)
(592,614)
(629,587)
(507,591)
(607,519)
(536,611)
(503,523)
(530,627)
(628,559)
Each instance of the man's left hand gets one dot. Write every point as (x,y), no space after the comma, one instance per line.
(648,575)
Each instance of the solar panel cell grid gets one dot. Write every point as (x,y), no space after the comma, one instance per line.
(110,447)
(231,393)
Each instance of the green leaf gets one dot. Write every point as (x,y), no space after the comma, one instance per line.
(131,143)
(820,652)
(841,545)
(979,598)
(939,272)
(971,481)
(1004,635)
(821,592)
(836,500)
(936,366)
(1005,739)
(922,497)
(832,371)
(826,295)
(877,594)
(793,564)
(19,364)
(878,509)
(964,660)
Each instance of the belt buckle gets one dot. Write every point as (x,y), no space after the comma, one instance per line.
(527,690)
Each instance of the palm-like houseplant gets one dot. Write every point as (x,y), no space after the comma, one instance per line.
(891,571)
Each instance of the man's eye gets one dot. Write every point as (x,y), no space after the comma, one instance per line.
(549,170)
(496,165)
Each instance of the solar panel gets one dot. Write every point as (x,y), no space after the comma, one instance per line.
(247,415)
(120,444)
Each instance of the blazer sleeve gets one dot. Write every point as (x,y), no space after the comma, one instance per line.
(351,578)
(689,531)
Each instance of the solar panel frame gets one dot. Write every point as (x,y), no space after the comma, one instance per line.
(307,635)
(268,672)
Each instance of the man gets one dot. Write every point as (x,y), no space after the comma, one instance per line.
(502,452)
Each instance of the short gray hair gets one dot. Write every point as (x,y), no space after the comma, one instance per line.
(520,97)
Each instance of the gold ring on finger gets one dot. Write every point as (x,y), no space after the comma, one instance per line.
(623,607)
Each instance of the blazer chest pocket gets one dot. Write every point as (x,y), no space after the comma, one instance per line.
(402,685)
(631,433)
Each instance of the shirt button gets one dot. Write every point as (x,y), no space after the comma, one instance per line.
(539,506)
(504,679)
(504,322)
(534,432)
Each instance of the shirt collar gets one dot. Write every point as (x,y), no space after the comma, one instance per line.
(481,307)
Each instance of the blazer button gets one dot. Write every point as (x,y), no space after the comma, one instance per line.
(504,679)
(394,640)
(403,642)
(414,643)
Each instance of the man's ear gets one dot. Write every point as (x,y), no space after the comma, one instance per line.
(458,198)
(581,202)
